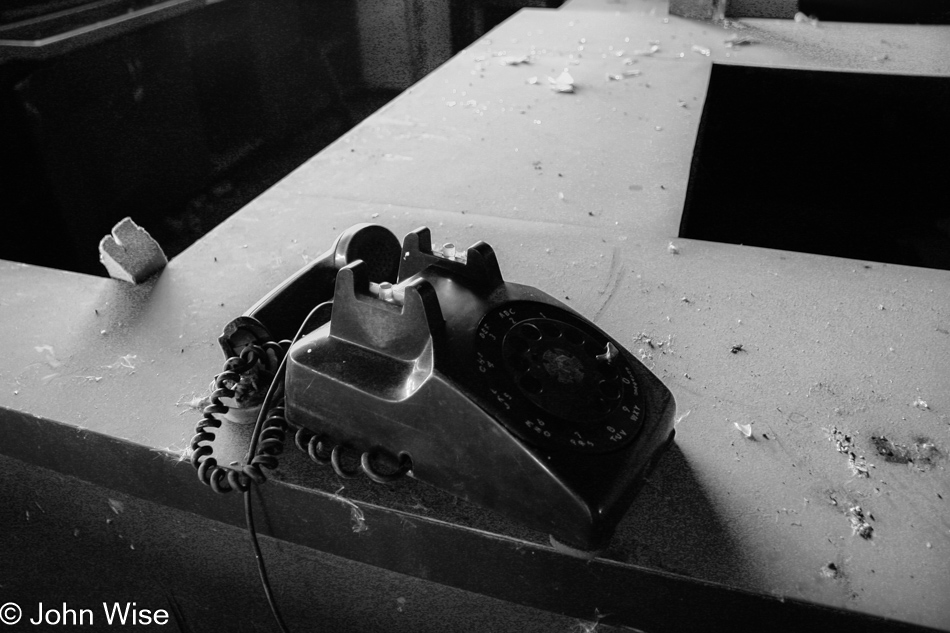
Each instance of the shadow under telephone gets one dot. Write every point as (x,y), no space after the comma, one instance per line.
(399,360)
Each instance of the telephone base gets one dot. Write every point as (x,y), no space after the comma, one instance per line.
(493,391)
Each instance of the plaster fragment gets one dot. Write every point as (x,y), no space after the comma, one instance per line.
(701,50)
(859,525)
(921,404)
(130,254)
(745,429)
(514,60)
(655,48)
(563,84)
(740,40)
(801,18)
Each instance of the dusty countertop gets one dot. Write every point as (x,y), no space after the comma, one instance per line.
(839,369)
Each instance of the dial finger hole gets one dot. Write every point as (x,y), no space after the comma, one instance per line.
(531,384)
(608,371)
(609,390)
(530,332)
(550,330)
(598,406)
(519,363)
(515,345)
(574,336)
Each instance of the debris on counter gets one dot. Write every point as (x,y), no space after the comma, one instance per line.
(622,75)
(859,524)
(891,452)
(124,361)
(701,50)
(356,514)
(564,83)
(922,455)
(644,338)
(831,571)
(130,254)
(645,357)
(740,40)
(921,404)
(745,429)
(50,355)
(844,444)
(858,466)
(801,18)
(737,348)
(532,80)
(673,249)
(655,48)
(193,402)
(681,418)
(514,60)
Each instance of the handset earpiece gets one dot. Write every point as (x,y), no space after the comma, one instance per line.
(279,313)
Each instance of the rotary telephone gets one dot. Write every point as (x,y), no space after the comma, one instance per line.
(424,361)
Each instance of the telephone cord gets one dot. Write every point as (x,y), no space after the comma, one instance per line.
(266,443)
(267,438)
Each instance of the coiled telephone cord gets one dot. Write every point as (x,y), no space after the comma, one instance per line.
(270,429)
(267,441)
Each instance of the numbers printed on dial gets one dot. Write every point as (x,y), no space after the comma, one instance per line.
(503,398)
(551,379)
(537,426)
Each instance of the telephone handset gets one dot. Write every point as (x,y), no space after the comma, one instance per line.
(493,391)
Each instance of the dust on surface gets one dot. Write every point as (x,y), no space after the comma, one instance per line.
(922,454)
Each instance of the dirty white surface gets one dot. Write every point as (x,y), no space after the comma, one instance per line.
(580,194)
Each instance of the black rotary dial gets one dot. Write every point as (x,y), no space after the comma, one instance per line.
(556,381)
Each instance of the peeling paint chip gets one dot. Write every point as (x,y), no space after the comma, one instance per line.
(130,254)
(563,83)
(745,429)
(859,525)
(801,18)
(514,60)
(647,52)
(740,40)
